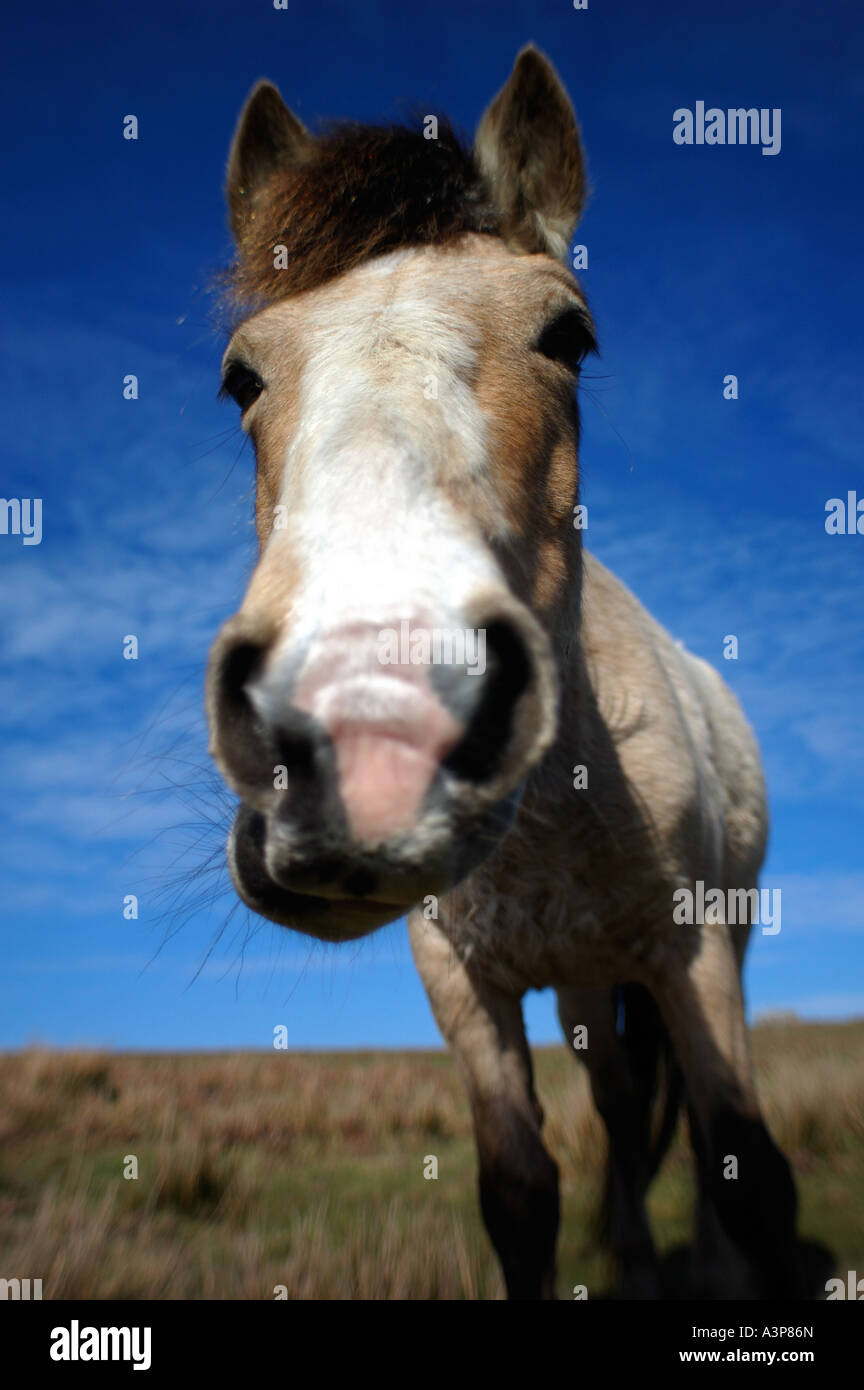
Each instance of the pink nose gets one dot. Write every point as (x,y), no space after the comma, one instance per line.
(375,740)
(388,728)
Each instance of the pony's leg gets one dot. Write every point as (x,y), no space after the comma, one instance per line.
(626,1111)
(518,1178)
(717,1262)
(717,1268)
(744,1175)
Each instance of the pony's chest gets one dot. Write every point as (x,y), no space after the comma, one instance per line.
(554,935)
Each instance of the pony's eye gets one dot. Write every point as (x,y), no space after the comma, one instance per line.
(241,384)
(568,339)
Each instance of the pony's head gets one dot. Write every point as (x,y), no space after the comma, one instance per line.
(407,378)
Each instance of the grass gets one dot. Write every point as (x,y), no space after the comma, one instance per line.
(305,1171)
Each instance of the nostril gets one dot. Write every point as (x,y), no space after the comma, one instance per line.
(478,755)
(300,744)
(242,734)
(260,732)
(240,665)
(297,752)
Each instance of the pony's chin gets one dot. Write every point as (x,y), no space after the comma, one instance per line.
(328,918)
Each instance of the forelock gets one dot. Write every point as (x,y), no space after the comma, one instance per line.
(356,192)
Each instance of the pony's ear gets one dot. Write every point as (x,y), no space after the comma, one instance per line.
(267,135)
(530,152)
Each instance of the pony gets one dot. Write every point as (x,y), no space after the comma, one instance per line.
(535,793)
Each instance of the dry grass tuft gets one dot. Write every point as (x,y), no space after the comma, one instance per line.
(303,1172)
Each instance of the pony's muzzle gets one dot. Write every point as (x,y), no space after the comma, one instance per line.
(364,717)
(365,751)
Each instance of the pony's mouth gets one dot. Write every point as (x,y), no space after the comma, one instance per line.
(332,890)
(325,910)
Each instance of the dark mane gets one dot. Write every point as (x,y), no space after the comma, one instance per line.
(356,192)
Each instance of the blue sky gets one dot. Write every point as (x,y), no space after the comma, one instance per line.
(703,261)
